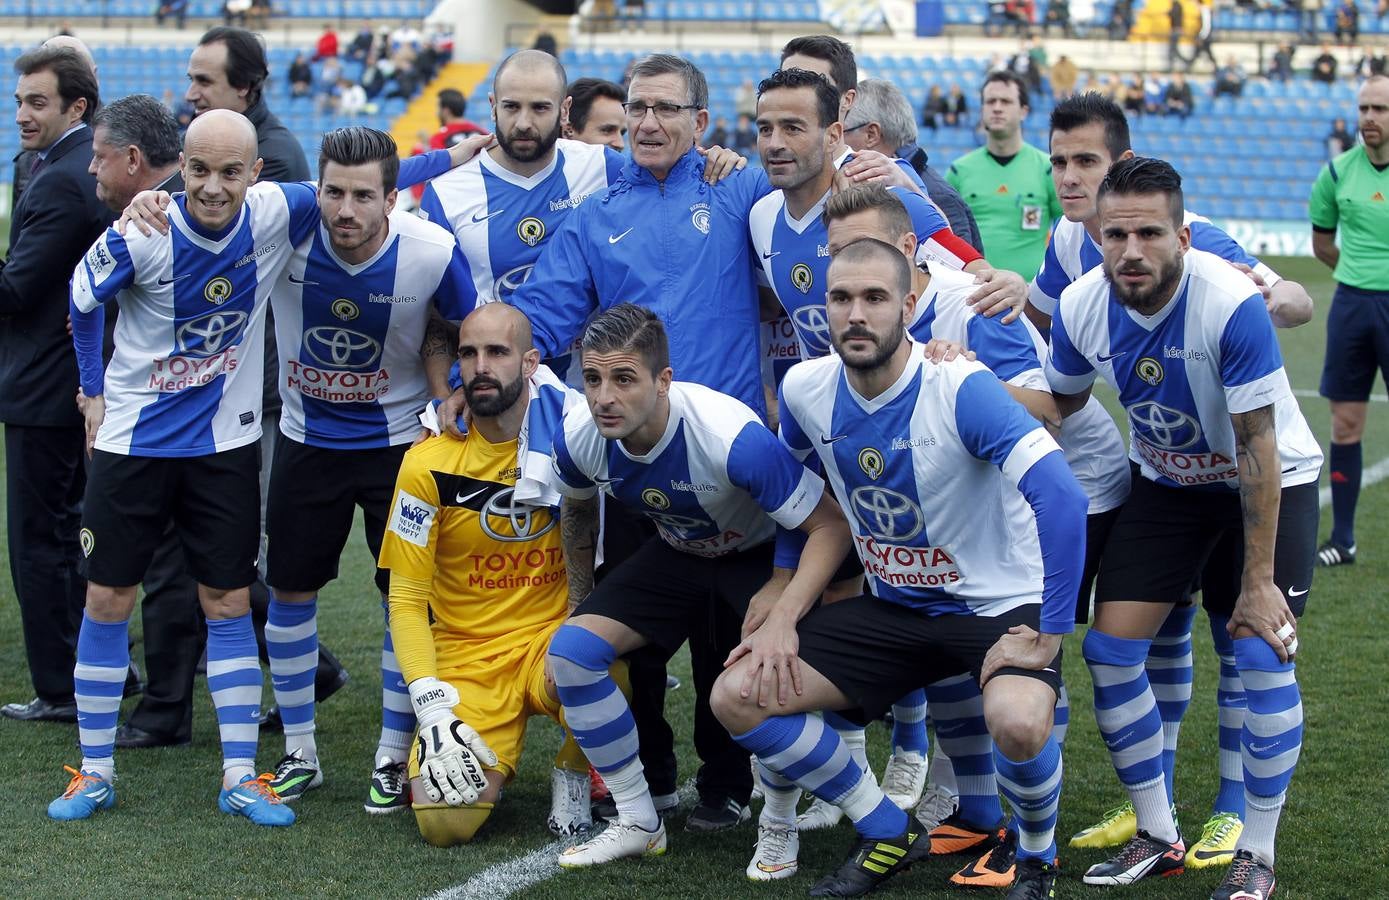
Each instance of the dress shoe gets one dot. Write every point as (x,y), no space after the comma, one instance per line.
(270,720)
(39,710)
(131,737)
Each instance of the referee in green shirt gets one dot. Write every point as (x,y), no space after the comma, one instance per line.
(1007,182)
(1351,195)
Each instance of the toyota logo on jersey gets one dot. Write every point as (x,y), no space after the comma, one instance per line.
(341,348)
(505,520)
(886,514)
(211,334)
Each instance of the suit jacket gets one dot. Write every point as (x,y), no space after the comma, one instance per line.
(56,221)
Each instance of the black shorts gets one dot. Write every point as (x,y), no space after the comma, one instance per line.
(213,502)
(876,651)
(313,496)
(1097,528)
(1166,538)
(1357,344)
(659,591)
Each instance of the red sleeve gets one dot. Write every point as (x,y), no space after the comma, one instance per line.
(951,249)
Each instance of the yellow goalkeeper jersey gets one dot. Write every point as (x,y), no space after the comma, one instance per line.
(495,570)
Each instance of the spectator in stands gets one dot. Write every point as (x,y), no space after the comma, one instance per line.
(1281,69)
(1115,89)
(1369,64)
(1205,36)
(996,19)
(442,42)
(1027,65)
(426,64)
(1133,95)
(1120,20)
(1324,66)
(407,35)
(327,43)
(375,73)
(454,124)
(1347,28)
(1021,14)
(956,106)
(745,99)
(1154,95)
(933,110)
(1176,19)
(1063,78)
(1309,12)
(360,46)
(328,76)
(1230,78)
(546,43)
(1058,14)
(258,17)
(235,11)
(178,9)
(745,136)
(1339,140)
(996,63)
(717,135)
(1082,16)
(300,77)
(352,100)
(592,113)
(1177,99)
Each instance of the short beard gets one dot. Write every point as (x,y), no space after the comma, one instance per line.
(544,144)
(503,400)
(886,348)
(1146,301)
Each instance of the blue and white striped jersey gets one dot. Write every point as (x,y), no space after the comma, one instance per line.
(349,336)
(1071,253)
(931,475)
(185,377)
(1211,352)
(502,220)
(718,481)
(943,311)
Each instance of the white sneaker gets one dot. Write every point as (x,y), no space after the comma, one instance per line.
(820,814)
(570,811)
(778,844)
(905,778)
(619,840)
(936,805)
(757,793)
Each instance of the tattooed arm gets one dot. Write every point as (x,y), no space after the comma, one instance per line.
(437,352)
(579,535)
(1261,609)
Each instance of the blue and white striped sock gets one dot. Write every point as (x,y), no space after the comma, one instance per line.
(291,642)
(601,720)
(397,715)
(957,708)
(1033,787)
(1061,719)
(909,723)
(1229,696)
(803,749)
(234,680)
(103,659)
(1127,715)
(1271,741)
(1169,669)
(854,736)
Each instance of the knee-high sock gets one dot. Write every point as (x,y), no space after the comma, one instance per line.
(779,796)
(1033,787)
(853,736)
(1169,670)
(1270,742)
(601,720)
(1130,725)
(397,715)
(234,679)
(1345,463)
(909,724)
(103,659)
(1062,721)
(1229,696)
(804,749)
(291,642)
(957,707)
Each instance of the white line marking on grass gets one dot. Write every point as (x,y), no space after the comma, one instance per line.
(1304,392)
(1373,475)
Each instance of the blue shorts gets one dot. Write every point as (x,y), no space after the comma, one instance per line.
(1357,344)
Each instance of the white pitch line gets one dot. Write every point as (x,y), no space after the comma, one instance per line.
(1373,475)
(1304,392)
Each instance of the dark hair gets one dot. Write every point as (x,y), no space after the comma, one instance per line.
(871,196)
(454,102)
(666,64)
(840,56)
(1006,76)
(583,91)
(1145,175)
(75,78)
(627,326)
(826,94)
(357,145)
(867,248)
(246,67)
(536,57)
(145,122)
(1081,109)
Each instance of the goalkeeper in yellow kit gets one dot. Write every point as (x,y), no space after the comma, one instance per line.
(475,537)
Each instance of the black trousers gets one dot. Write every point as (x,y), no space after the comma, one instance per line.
(44,481)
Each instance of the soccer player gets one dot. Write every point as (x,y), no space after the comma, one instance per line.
(905,445)
(1349,197)
(352,313)
(592,113)
(1007,182)
(174,424)
(716,483)
(1222,451)
(1088,134)
(478,582)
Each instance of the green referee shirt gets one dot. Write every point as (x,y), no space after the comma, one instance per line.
(1352,195)
(1014,203)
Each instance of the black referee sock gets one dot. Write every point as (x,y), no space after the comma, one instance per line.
(1346,462)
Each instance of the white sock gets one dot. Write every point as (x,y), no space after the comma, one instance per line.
(1152,809)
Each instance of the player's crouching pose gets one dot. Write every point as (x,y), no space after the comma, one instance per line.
(472,538)
(936,468)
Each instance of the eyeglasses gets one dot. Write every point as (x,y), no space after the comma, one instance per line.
(663,110)
(857,127)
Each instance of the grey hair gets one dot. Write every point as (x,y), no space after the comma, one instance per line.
(144,122)
(667,64)
(883,102)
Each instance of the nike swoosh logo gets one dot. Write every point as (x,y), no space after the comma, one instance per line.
(614,238)
(1211,854)
(826,440)
(461,499)
(293,280)
(769,256)
(1102,358)
(1294,593)
(779,867)
(380,798)
(607,482)
(172,280)
(477,219)
(1265,747)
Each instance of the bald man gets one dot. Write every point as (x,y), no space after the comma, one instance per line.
(172,426)
(463,543)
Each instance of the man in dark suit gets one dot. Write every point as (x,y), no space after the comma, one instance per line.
(55,221)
